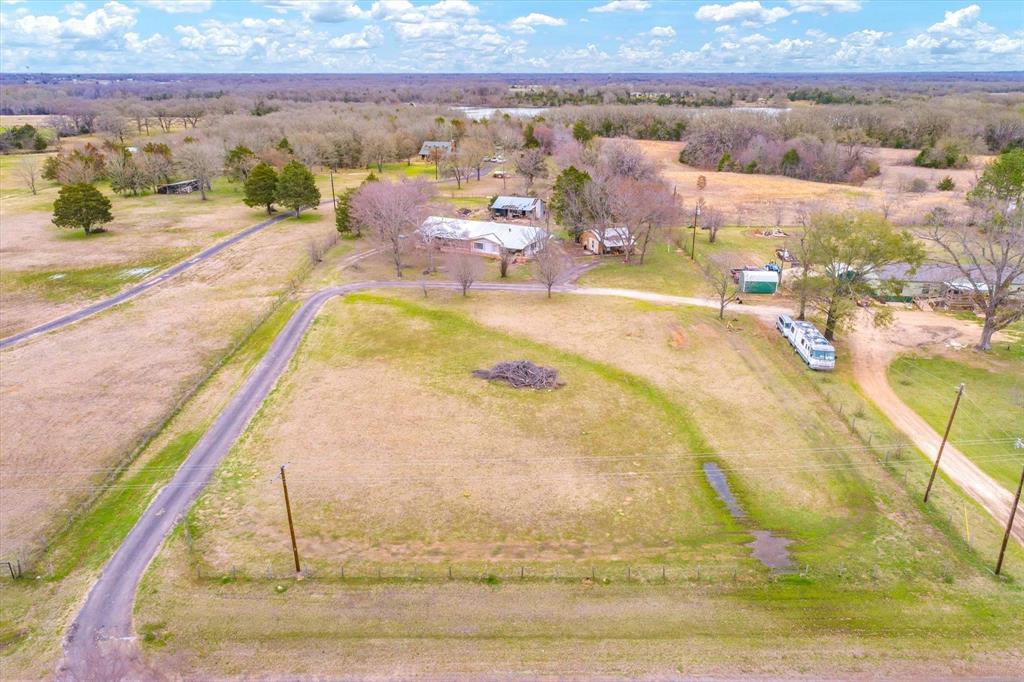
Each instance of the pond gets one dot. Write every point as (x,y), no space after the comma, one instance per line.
(478,113)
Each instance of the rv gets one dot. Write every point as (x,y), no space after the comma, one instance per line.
(808,343)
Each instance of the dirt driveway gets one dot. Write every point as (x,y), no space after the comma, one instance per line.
(873,351)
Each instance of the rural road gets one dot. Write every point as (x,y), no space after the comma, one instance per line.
(145,285)
(106,615)
(107,612)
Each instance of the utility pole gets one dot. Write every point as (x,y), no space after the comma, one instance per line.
(334,199)
(291,526)
(696,214)
(945,436)
(1009,524)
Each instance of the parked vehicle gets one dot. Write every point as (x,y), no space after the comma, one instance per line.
(807,341)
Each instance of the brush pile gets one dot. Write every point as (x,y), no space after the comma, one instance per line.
(521,374)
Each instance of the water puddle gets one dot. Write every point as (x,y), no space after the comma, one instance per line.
(770,549)
(135,273)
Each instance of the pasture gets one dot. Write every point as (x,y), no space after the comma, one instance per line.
(403,466)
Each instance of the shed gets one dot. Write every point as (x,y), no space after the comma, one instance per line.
(610,240)
(181,187)
(518,207)
(759,281)
(430,145)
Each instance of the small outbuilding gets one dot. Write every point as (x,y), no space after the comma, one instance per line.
(759,281)
(430,145)
(182,187)
(518,207)
(610,240)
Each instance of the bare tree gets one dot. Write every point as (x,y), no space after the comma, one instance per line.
(28,170)
(531,164)
(712,220)
(464,269)
(201,162)
(989,251)
(644,207)
(507,256)
(551,264)
(625,159)
(722,284)
(473,150)
(392,211)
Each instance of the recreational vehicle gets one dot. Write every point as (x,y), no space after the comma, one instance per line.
(807,341)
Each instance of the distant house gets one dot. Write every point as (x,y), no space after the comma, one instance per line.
(610,240)
(430,145)
(182,187)
(518,207)
(930,281)
(482,237)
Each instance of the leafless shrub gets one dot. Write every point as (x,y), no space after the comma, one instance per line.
(464,269)
(28,172)
(551,264)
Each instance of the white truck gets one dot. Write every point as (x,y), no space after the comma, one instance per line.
(807,341)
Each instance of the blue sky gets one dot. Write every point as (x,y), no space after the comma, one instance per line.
(521,36)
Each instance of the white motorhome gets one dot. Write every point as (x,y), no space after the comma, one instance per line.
(807,341)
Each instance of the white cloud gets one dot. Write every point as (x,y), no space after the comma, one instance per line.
(526,23)
(178,6)
(75,9)
(724,28)
(961,18)
(326,11)
(134,43)
(825,6)
(622,6)
(370,36)
(663,32)
(749,11)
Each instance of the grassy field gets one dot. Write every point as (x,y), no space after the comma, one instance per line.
(431,468)
(668,268)
(993,407)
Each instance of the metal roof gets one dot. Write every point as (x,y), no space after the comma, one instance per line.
(507,235)
(515,203)
(435,144)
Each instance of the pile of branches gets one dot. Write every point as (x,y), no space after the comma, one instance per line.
(521,374)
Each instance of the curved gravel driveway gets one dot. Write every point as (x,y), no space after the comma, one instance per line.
(107,611)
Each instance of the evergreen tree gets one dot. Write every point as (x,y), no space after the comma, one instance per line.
(530,140)
(581,132)
(296,187)
(285,146)
(342,216)
(261,187)
(567,203)
(81,206)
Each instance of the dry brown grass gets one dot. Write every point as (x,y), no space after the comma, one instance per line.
(417,460)
(75,402)
(759,194)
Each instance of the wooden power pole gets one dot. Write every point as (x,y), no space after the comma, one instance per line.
(945,437)
(1009,524)
(291,526)
(334,199)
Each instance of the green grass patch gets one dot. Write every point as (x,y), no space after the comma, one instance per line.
(668,269)
(992,408)
(63,285)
